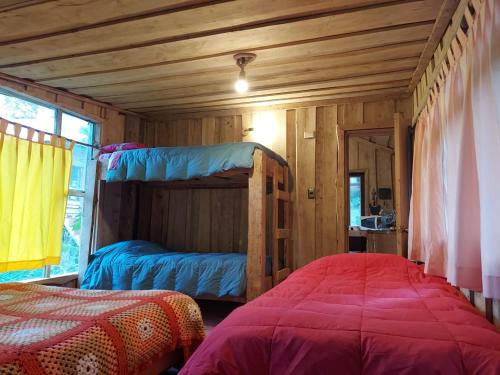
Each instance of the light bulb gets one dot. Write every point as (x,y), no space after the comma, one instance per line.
(241,86)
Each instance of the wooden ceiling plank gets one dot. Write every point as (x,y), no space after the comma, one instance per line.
(378,54)
(265,98)
(373,94)
(141,79)
(261,96)
(49,17)
(306,76)
(10,5)
(172,26)
(217,89)
(282,34)
(442,21)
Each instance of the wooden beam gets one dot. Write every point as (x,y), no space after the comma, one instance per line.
(427,81)
(402,198)
(85,106)
(256,253)
(448,7)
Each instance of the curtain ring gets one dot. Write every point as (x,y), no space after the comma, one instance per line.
(3,126)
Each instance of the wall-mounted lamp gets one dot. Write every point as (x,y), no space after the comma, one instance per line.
(242,60)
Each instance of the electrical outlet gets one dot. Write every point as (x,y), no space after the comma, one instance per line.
(311,193)
(309,135)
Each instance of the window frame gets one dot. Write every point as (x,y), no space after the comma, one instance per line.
(361,175)
(71,192)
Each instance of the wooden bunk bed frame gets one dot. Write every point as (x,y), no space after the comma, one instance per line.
(266,177)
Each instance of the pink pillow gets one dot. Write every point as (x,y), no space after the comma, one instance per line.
(108,149)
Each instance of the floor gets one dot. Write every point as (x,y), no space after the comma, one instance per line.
(213,312)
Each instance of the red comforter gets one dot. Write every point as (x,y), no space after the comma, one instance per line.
(353,314)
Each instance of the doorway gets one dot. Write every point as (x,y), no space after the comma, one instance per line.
(370,198)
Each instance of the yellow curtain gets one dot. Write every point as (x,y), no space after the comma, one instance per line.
(34,185)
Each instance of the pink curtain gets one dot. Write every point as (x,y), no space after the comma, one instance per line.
(461,180)
(485,81)
(456,186)
(427,230)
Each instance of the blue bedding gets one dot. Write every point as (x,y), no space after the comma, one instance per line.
(182,163)
(142,265)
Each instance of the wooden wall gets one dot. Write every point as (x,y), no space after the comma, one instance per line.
(310,138)
(111,121)
(188,219)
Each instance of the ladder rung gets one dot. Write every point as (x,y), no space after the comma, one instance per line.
(283,195)
(282,234)
(282,274)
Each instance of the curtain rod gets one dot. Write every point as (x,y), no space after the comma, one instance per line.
(461,23)
(47,133)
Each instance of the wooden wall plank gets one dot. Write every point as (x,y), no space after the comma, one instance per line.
(305,178)
(326,176)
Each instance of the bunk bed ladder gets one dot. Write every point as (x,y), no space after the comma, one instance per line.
(280,232)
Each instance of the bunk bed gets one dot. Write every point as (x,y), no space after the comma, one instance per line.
(234,165)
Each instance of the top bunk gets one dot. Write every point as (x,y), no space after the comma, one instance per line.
(228,164)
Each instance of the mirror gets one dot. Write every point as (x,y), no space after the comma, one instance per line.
(371,202)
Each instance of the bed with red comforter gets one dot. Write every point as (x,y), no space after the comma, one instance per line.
(353,314)
(52,330)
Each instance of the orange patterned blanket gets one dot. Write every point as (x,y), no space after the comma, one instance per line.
(52,330)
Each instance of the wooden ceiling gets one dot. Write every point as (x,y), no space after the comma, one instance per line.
(164,56)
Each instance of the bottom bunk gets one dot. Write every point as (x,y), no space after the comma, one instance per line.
(142,265)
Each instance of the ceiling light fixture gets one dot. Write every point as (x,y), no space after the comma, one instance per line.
(242,60)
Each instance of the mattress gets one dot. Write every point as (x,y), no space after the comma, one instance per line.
(142,265)
(182,163)
(53,330)
(353,314)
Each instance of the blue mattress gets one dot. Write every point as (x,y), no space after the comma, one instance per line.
(142,265)
(182,163)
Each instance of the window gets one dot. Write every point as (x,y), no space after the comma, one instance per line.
(356,198)
(53,120)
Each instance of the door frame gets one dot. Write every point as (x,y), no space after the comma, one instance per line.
(401,192)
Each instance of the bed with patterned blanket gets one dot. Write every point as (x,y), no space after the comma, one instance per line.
(52,330)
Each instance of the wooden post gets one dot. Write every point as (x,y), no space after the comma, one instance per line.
(401,183)
(256,254)
(288,219)
(89,209)
(275,228)
(342,192)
